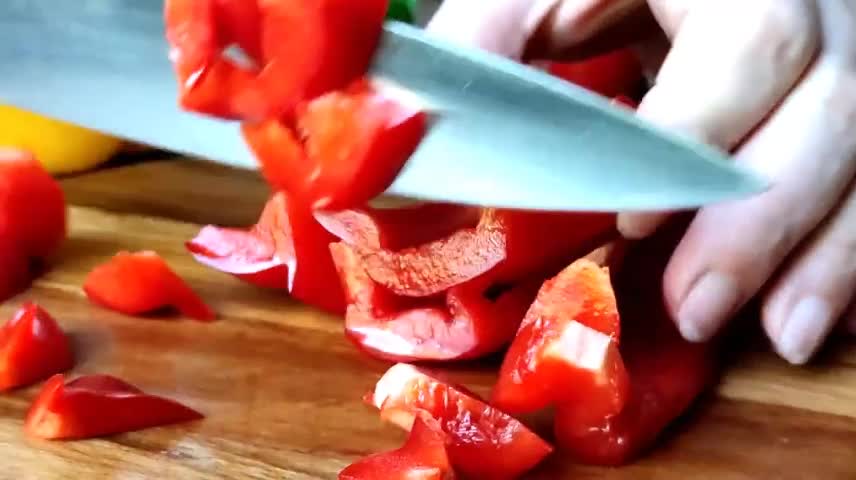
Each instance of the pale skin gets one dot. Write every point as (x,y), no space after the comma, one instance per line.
(771,81)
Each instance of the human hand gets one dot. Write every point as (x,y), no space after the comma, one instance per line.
(774,82)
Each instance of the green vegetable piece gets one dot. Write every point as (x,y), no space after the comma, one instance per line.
(402,10)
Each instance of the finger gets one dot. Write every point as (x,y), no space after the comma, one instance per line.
(808,150)
(718,87)
(814,291)
(499,26)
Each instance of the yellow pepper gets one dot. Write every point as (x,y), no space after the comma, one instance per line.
(61,147)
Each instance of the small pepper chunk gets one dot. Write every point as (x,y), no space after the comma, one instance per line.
(294,51)
(423,457)
(96,406)
(566,350)
(461,324)
(142,282)
(286,249)
(32,348)
(482,441)
(347,148)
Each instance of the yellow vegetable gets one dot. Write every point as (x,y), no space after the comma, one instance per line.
(61,147)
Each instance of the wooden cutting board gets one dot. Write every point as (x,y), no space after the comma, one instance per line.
(281,386)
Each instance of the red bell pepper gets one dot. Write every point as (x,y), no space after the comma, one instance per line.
(611,74)
(295,51)
(287,248)
(423,457)
(394,228)
(567,348)
(482,441)
(348,148)
(32,219)
(32,348)
(464,323)
(139,283)
(96,406)
(666,372)
(509,244)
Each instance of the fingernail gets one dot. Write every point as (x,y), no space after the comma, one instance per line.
(639,225)
(710,301)
(804,330)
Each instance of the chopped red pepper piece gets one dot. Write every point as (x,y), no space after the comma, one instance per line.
(423,457)
(142,282)
(348,149)
(666,372)
(286,249)
(395,228)
(464,324)
(567,348)
(96,406)
(32,219)
(611,74)
(509,244)
(482,441)
(32,348)
(296,51)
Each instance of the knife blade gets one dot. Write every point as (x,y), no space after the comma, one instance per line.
(504,134)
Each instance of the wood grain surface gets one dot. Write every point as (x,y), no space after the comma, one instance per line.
(281,386)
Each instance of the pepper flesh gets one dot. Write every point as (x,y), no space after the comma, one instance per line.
(482,441)
(666,372)
(511,245)
(566,350)
(142,282)
(295,51)
(461,324)
(32,348)
(96,406)
(611,74)
(286,249)
(347,148)
(423,457)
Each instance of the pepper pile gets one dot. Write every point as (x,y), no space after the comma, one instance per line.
(429,284)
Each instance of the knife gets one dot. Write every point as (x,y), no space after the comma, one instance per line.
(504,135)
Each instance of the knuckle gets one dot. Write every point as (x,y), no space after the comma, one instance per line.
(790,28)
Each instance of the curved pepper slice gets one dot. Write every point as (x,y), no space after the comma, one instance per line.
(482,441)
(142,282)
(296,51)
(394,228)
(96,406)
(465,324)
(566,350)
(348,148)
(32,219)
(509,244)
(287,248)
(666,372)
(423,457)
(32,348)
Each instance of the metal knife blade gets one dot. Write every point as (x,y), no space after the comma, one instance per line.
(505,135)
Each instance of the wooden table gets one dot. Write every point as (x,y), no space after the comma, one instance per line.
(281,386)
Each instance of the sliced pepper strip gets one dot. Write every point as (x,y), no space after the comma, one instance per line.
(296,50)
(464,324)
(482,441)
(510,244)
(349,147)
(423,457)
(142,282)
(566,350)
(32,348)
(286,249)
(666,372)
(611,74)
(96,406)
